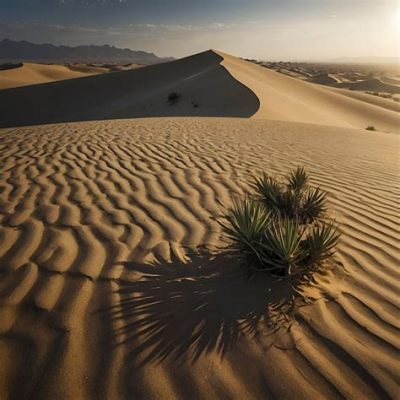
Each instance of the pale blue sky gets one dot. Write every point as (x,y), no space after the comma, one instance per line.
(269,29)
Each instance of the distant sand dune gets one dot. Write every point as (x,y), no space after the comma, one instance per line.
(210,83)
(106,294)
(374,85)
(32,74)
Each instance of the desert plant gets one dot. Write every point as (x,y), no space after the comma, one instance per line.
(320,242)
(295,200)
(173,97)
(298,179)
(270,191)
(280,229)
(370,128)
(313,205)
(281,245)
(244,225)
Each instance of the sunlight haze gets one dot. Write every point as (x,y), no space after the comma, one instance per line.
(287,30)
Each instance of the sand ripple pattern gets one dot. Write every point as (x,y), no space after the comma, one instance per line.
(98,221)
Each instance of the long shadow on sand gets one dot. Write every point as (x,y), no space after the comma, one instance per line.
(178,312)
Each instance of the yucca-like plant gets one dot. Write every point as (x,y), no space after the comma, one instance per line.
(270,191)
(313,205)
(320,242)
(298,179)
(281,243)
(281,230)
(245,224)
(294,200)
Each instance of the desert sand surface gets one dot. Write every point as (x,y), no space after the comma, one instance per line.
(106,295)
(211,84)
(113,284)
(32,74)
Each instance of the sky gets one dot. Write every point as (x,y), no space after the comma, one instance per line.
(301,30)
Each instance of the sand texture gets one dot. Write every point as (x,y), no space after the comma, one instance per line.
(111,286)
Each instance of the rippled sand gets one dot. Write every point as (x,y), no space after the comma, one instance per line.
(112,285)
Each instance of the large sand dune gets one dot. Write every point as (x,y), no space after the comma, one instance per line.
(105,295)
(210,83)
(206,87)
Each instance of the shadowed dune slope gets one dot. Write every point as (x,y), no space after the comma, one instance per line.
(286,98)
(104,293)
(206,89)
(31,74)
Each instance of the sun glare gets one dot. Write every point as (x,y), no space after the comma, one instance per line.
(398,20)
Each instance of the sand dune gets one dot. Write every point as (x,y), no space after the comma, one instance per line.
(105,293)
(32,74)
(289,99)
(211,84)
(374,85)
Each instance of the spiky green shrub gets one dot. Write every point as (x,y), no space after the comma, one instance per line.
(280,229)
(293,200)
(320,241)
(244,225)
(281,244)
(298,179)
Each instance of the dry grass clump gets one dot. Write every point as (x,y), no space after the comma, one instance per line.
(281,229)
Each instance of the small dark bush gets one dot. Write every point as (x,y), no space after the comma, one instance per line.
(370,128)
(173,97)
(281,228)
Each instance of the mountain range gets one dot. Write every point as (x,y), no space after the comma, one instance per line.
(17,51)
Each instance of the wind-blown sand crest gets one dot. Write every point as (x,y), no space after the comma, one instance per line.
(112,282)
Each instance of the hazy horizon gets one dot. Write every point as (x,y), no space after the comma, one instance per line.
(297,30)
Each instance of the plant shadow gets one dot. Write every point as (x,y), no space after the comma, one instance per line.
(181,311)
